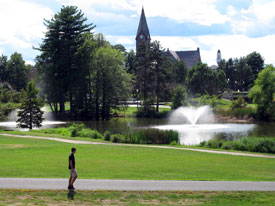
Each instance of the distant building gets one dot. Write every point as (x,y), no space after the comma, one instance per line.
(219,59)
(190,58)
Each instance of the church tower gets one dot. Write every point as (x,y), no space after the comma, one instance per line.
(143,35)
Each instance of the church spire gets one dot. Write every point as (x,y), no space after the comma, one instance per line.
(143,37)
(143,27)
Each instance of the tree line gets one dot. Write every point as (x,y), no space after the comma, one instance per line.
(79,67)
(14,71)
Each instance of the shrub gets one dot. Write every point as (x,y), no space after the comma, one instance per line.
(117,138)
(173,143)
(75,129)
(238,103)
(94,134)
(107,135)
(252,144)
(179,97)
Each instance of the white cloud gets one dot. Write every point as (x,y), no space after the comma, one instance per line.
(202,12)
(124,40)
(257,20)
(21,22)
(32,63)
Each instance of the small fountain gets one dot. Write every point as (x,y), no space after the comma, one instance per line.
(10,124)
(196,125)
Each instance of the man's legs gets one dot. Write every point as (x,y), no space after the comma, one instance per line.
(70,180)
(73,180)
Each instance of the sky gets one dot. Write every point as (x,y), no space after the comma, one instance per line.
(236,27)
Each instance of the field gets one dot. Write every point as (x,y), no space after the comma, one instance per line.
(48,159)
(30,197)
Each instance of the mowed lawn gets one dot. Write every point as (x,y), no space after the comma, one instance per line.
(49,159)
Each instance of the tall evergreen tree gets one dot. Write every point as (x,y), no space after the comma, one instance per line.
(144,76)
(58,61)
(30,114)
(3,68)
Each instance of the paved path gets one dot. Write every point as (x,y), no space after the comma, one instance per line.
(136,145)
(135,185)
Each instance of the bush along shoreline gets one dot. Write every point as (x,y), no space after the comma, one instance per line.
(250,144)
(144,136)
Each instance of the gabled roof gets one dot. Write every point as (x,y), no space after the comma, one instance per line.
(190,58)
(143,27)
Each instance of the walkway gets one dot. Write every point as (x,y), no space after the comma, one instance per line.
(136,145)
(135,185)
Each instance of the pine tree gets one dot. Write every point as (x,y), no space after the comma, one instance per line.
(30,113)
(59,64)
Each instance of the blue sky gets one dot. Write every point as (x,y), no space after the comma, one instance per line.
(236,27)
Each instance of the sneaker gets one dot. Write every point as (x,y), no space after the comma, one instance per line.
(70,187)
(73,187)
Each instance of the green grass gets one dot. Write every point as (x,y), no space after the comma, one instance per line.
(37,197)
(49,159)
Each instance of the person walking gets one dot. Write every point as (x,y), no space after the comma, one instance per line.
(73,172)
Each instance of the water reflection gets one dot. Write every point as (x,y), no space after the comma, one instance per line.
(195,134)
(188,134)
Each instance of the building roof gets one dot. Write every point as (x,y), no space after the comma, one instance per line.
(143,27)
(190,58)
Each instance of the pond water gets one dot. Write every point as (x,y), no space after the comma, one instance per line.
(189,134)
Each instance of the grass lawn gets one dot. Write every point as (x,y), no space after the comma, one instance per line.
(36,197)
(48,159)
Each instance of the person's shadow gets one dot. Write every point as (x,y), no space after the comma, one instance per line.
(71,194)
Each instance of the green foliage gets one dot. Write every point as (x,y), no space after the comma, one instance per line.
(75,129)
(179,97)
(240,73)
(118,138)
(201,79)
(79,130)
(239,112)
(30,113)
(5,109)
(109,91)
(251,144)
(151,113)
(107,135)
(239,103)
(156,136)
(208,100)
(263,93)
(17,72)
(180,72)
(61,70)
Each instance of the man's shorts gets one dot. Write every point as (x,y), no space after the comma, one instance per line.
(73,173)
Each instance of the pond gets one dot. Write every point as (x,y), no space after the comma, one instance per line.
(189,134)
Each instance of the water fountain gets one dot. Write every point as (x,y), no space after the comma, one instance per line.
(196,125)
(10,124)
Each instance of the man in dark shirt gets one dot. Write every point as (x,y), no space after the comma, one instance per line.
(73,173)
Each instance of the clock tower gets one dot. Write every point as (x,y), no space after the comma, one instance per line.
(143,37)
